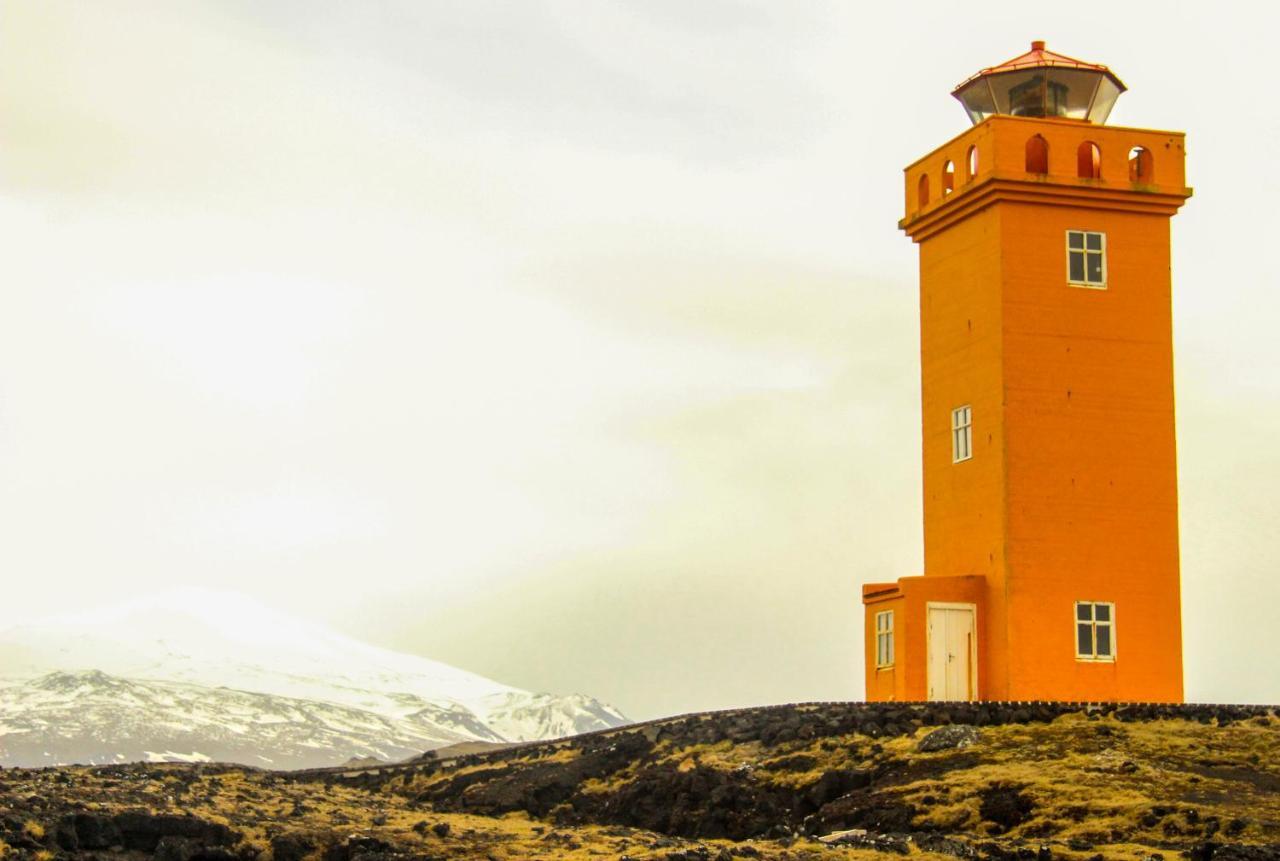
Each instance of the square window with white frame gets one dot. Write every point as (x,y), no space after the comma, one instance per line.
(1095,631)
(961,433)
(1087,258)
(884,639)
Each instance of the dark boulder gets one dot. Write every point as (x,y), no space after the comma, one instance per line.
(700,802)
(834,784)
(1004,805)
(186,849)
(356,847)
(291,846)
(859,838)
(948,738)
(88,831)
(144,831)
(871,811)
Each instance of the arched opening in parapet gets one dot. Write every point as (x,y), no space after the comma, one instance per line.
(971,163)
(1037,155)
(948,178)
(922,191)
(1089,161)
(1141,165)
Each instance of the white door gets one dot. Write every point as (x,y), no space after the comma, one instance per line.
(952,652)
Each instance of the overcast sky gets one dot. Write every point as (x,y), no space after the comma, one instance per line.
(573,343)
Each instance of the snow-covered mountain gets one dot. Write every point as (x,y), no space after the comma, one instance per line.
(199,674)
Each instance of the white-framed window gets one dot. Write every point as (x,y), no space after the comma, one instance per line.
(1095,631)
(884,639)
(961,433)
(1087,258)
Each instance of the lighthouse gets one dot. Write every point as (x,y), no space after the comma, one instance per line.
(1046,355)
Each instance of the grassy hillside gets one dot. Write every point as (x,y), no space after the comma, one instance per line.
(1025,781)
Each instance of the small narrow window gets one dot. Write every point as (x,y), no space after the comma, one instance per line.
(971,164)
(1095,631)
(1037,155)
(1089,159)
(948,178)
(884,639)
(961,433)
(1087,258)
(922,191)
(1141,166)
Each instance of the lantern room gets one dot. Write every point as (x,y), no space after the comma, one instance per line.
(1041,83)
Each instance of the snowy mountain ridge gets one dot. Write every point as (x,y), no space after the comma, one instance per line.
(197,673)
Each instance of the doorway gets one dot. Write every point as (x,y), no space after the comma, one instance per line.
(953,652)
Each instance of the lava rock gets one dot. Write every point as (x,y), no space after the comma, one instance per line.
(869,811)
(291,846)
(700,802)
(948,738)
(356,847)
(860,838)
(834,784)
(91,831)
(941,845)
(1005,806)
(186,849)
(144,831)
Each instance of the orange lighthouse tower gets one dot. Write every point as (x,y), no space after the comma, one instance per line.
(1046,352)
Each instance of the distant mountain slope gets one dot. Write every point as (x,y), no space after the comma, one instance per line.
(198,674)
(90,717)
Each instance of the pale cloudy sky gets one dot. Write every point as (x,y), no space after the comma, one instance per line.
(573,343)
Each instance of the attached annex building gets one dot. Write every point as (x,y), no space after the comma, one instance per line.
(1050,476)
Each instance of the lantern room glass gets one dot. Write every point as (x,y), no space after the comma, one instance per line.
(1041,91)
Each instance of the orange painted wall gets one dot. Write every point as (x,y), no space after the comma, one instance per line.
(887,683)
(1072,491)
(961,362)
(1090,456)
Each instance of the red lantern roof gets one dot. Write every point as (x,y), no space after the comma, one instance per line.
(1040,56)
(1041,83)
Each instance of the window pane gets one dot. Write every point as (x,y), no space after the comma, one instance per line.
(1084,612)
(1095,268)
(1075,270)
(1093,241)
(1019,93)
(1103,101)
(1070,91)
(1075,239)
(1104,641)
(889,649)
(977,100)
(1084,639)
(1102,612)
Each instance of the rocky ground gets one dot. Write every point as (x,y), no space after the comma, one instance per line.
(817,782)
